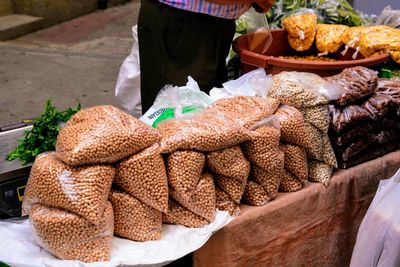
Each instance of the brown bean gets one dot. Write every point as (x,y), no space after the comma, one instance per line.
(319,172)
(225,203)
(82,190)
(133,219)
(255,195)
(289,182)
(233,187)
(177,214)
(69,236)
(270,181)
(143,176)
(296,161)
(102,134)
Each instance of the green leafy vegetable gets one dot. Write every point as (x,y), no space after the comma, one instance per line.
(43,135)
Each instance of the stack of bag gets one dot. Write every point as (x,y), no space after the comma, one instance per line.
(365,120)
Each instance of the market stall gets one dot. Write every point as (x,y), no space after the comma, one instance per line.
(316,226)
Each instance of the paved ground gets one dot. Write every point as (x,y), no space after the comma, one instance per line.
(74,62)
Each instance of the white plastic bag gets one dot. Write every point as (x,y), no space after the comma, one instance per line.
(174,102)
(378,239)
(253,83)
(127,89)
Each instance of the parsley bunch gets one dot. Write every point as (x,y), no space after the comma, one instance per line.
(43,135)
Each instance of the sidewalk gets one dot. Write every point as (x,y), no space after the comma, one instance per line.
(74,62)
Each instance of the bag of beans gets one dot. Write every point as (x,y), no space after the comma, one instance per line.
(81,190)
(229,162)
(343,118)
(289,183)
(292,126)
(133,219)
(356,83)
(319,172)
(177,214)
(184,168)
(246,110)
(317,116)
(269,180)
(231,186)
(102,134)
(301,26)
(225,203)
(144,176)
(321,148)
(202,201)
(69,236)
(255,195)
(204,131)
(263,148)
(296,161)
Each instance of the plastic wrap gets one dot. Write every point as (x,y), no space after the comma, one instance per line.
(69,236)
(357,83)
(209,130)
(347,117)
(296,161)
(202,202)
(319,172)
(229,162)
(175,101)
(329,37)
(133,219)
(246,110)
(102,134)
(389,17)
(144,176)
(351,37)
(258,32)
(321,148)
(379,38)
(301,89)
(289,182)
(292,126)
(255,195)
(377,241)
(81,190)
(177,214)
(184,170)
(225,203)
(269,180)
(301,26)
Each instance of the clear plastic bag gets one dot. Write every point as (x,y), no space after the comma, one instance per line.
(319,172)
(258,33)
(269,180)
(296,161)
(144,176)
(377,241)
(234,188)
(81,190)
(69,236)
(289,183)
(206,131)
(347,117)
(301,89)
(229,162)
(184,170)
(301,26)
(202,202)
(356,83)
(317,116)
(329,38)
(389,17)
(102,134)
(174,102)
(292,126)
(378,39)
(133,219)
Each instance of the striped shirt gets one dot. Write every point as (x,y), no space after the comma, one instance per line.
(231,11)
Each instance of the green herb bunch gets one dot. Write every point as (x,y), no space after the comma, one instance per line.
(43,135)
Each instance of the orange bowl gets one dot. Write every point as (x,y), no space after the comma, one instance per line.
(271,62)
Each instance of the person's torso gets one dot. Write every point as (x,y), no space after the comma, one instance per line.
(232,11)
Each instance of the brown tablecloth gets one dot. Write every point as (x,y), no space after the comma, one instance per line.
(316,226)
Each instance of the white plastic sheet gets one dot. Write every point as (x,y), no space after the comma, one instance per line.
(253,83)
(378,239)
(18,247)
(127,89)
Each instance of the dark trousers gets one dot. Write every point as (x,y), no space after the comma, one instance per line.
(175,44)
